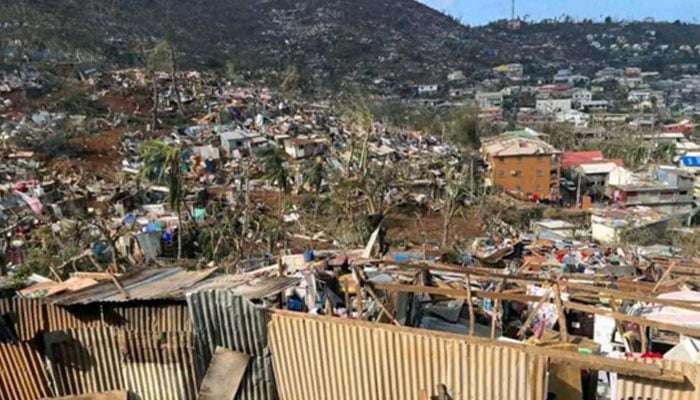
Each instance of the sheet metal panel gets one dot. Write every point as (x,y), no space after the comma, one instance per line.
(328,358)
(60,318)
(158,366)
(27,314)
(83,361)
(223,319)
(149,317)
(629,387)
(154,366)
(22,374)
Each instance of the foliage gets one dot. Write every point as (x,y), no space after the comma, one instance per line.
(163,164)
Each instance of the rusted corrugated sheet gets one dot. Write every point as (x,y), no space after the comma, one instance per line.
(150,317)
(223,319)
(159,284)
(154,366)
(22,374)
(83,361)
(159,366)
(60,318)
(325,358)
(629,387)
(28,313)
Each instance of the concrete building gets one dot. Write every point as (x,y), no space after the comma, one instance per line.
(523,165)
(489,99)
(299,148)
(552,106)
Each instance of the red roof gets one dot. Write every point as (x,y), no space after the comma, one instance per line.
(574,158)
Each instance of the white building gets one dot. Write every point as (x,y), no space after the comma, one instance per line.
(489,99)
(427,90)
(552,106)
(579,96)
(299,148)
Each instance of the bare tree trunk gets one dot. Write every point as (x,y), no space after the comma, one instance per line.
(179,233)
(173,72)
(154,88)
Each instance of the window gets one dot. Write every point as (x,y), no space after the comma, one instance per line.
(540,172)
(520,159)
(518,188)
(502,159)
(540,158)
(538,187)
(501,174)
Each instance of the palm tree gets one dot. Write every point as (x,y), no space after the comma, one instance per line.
(163,164)
(274,161)
(314,173)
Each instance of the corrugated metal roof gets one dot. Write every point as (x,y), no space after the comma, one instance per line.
(320,358)
(224,319)
(251,287)
(155,284)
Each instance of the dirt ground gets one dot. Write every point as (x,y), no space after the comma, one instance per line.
(97,153)
(419,227)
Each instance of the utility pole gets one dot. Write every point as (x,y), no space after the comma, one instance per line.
(512,10)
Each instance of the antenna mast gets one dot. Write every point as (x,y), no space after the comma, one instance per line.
(512,10)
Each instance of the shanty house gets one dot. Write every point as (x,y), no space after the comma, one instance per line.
(238,140)
(299,148)
(525,165)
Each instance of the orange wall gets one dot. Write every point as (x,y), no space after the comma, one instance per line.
(528,179)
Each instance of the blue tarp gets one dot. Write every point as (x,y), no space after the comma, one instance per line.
(691,161)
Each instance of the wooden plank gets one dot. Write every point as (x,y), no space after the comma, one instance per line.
(560,312)
(621,295)
(225,375)
(470,303)
(496,311)
(453,293)
(533,313)
(630,318)
(381,305)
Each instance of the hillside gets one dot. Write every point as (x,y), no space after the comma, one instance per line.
(333,42)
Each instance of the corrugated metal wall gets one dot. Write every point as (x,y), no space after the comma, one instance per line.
(22,374)
(155,318)
(84,361)
(222,319)
(28,313)
(323,358)
(159,366)
(629,387)
(155,366)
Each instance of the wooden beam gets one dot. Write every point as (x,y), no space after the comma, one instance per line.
(496,310)
(453,293)
(360,306)
(381,305)
(664,276)
(564,332)
(631,318)
(618,294)
(533,313)
(470,303)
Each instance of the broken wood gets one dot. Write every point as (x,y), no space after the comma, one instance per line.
(533,313)
(560,312)
(470,303)
(381,305)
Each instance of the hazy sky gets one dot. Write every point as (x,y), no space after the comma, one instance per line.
(479,12)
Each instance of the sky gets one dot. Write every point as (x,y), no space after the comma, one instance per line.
(480,12)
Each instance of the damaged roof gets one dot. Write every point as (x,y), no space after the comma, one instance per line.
(157,284)
(509,145)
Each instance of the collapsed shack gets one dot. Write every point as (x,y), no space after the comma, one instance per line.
(442,329)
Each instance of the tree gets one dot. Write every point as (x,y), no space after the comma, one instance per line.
(163,164)
(160,58)
(457,189)
(314,173)
(274,161)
